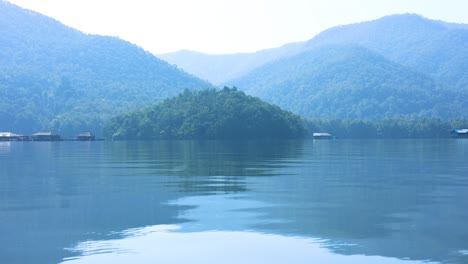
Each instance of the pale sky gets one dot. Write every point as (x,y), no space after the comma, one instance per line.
(229,26)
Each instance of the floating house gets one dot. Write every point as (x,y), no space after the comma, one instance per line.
(322,136)
(8,136)
(45,136)
(85,136)
(460,133)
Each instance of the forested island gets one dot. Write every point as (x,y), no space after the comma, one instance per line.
(231,114)
(207,114)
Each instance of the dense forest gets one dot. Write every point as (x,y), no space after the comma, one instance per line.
(207,114)
(352,82)
(53,77)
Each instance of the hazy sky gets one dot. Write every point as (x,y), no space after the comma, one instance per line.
(228,26)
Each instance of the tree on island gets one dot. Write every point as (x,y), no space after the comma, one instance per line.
(207,114)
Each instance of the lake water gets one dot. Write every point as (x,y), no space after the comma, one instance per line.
(340,201)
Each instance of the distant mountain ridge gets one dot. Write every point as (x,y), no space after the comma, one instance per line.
(220,68)
(350,82)
(399,66)
(54,77)
(432,47)
(435,48)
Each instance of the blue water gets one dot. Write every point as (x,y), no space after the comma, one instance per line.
(340,201)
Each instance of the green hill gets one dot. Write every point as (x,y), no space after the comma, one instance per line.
(351,82)
(207,114)
(53,77)
(435,48)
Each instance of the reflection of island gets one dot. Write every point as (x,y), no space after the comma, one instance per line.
(208,167)
(397,199)
(56,195)
(363,197)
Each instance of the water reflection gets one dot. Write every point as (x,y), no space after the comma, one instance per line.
(218,216)
(159,244)
(331,201)
(402,199)
(5,148)
(57,193)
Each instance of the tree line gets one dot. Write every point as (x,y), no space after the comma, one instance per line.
(385,128)
(207,114)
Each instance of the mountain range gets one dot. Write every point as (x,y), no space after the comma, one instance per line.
(218,69)
(53,77)
(432,47)
(399,66)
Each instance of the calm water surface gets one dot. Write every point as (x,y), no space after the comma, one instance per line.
(369,201)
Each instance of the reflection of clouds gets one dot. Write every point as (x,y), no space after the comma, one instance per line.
(5,148)
(221,212)
(159,244)
(202,241)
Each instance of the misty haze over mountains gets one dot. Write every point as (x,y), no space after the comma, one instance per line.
(399,66)
(433,47)
(53,77)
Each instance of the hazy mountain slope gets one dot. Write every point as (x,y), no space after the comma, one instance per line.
(55,77)
(350,82)
(435,48)
(397,66)
(221,68)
